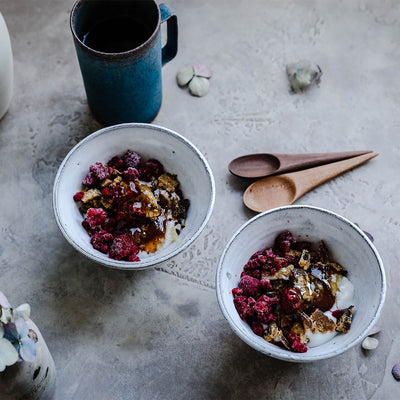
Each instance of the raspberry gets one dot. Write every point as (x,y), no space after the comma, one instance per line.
(131,159)
(280,262)
(255,273)
(122,247)
(265,284)
(251,301)
(101,241)
(337,313)
(241,306)
(249,285)
(237,292)
(131,174)
(89,180)
(78,196)
(296,344)
(95,217)
(257,328)
(284,241)
(100,171)
(113,193)
(116,162)
(151,169)
(290,300)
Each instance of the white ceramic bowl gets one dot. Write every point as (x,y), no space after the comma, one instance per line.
(178,156)
(348,245)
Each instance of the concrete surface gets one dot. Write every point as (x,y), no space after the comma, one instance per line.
(159,334)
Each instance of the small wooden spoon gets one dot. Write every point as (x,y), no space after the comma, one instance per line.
(264,164)
(282,190)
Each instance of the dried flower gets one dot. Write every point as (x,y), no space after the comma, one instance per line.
(16,342)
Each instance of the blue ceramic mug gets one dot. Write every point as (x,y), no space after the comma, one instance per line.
(118,44)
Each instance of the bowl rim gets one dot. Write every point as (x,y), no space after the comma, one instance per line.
(289,356)
(127,265)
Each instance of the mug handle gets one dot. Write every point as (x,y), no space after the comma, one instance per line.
(171,47)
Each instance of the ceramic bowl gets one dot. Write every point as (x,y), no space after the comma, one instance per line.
(348,245)
(178,156)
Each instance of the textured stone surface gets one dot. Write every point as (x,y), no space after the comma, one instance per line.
(159,334)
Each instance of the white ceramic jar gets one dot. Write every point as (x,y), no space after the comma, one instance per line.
(6,68)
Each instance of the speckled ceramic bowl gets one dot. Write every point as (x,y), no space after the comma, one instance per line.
(348,245)
(178,156)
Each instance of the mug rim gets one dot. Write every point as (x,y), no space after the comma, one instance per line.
(123,54)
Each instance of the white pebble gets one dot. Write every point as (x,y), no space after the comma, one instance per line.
(199,86)
(370,343)
(184,76)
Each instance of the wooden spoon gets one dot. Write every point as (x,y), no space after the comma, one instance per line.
(282,190)
(264,164)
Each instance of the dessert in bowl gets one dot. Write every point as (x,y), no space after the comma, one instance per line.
(259,297)
(98,172)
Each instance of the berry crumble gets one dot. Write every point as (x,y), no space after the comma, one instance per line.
(294,296)
(130,206)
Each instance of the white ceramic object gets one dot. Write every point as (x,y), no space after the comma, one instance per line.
(348,245)
(6,68)
(178,156)
(30,381)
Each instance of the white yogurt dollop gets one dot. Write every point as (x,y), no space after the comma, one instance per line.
(344,299)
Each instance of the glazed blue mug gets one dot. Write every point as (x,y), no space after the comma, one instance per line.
(118,44)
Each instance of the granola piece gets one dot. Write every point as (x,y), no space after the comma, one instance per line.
(168,182)
(294,253)
(272,333)
(337,268)
(322,253)
(105,203)
(283,273)
(300,331)
(321,323)
(117,180)
(90,194)
(307,321)
(344,322)
(152,209)
(106,182)
(305,259)
(301,281)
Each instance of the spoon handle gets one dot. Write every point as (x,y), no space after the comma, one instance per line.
(295,162)
(310,178)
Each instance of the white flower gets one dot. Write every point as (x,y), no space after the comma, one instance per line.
(8,354)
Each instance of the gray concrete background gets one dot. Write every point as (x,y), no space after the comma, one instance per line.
(159,334)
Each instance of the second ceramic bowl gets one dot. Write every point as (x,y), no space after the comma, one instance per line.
(348,245)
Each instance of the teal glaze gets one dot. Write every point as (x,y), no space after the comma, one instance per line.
(124,87)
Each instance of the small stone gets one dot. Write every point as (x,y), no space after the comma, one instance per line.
(370,343)
(199,86)
(303,74)
(202,70)
(374,330)
(396,371)
(184,76)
